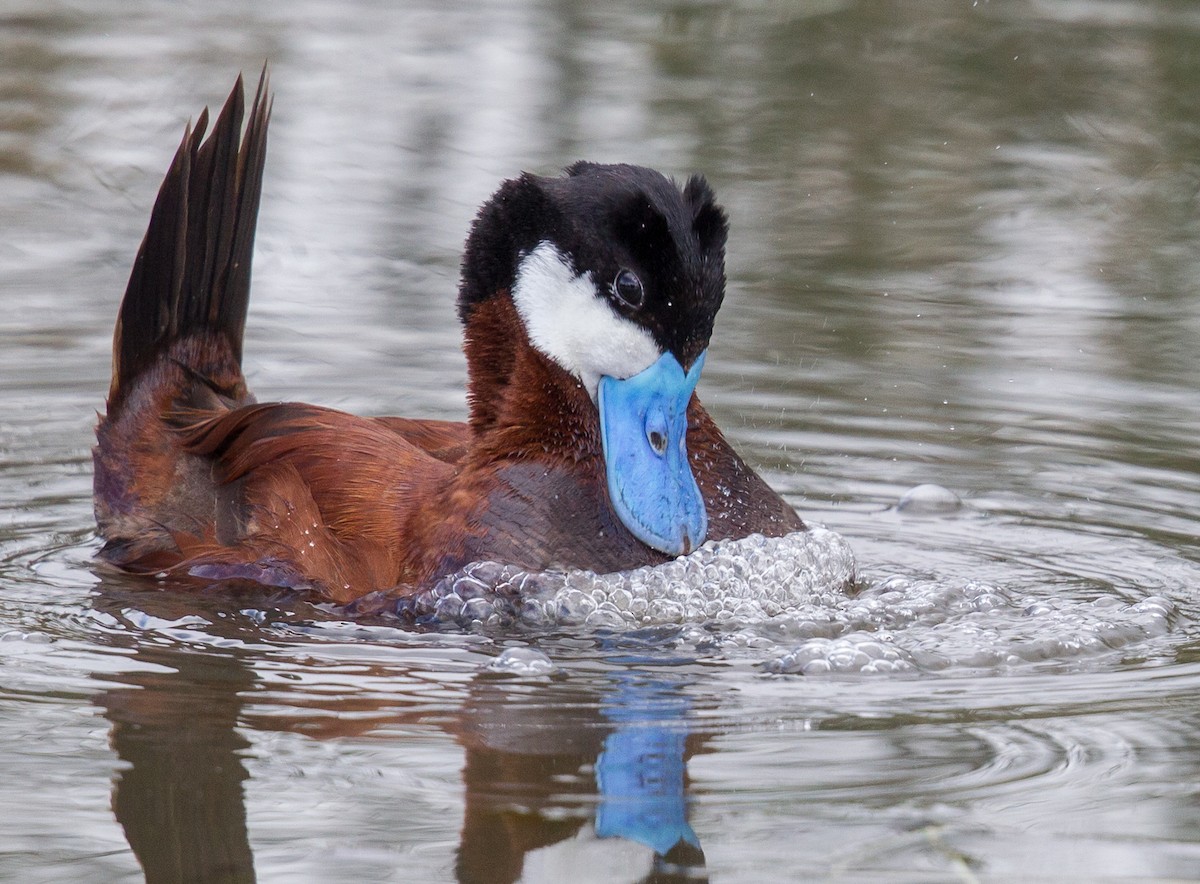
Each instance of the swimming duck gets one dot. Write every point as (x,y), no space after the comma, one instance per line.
(587,302)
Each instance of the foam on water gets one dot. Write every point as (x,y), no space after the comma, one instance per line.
(738,583)
(900,624)
(792,604)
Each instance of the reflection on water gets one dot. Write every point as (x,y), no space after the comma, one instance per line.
(640,775)
(964,244)
(181,800)
(531,767)
(530,779)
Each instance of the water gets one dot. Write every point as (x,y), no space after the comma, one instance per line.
(963,251)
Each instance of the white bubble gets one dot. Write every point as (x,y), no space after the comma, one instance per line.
(929,499)
(521,661)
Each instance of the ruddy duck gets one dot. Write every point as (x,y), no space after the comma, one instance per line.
(587,302)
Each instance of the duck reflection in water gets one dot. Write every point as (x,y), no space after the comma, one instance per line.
(560,780)
(174,724)
(599,783)
(640,775)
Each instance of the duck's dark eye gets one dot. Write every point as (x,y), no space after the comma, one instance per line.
(629,289)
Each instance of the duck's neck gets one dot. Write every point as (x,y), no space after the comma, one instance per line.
(519,399)
(491,337)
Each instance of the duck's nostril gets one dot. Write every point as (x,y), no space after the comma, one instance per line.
(657,441)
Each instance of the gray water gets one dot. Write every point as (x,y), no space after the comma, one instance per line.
(964,248)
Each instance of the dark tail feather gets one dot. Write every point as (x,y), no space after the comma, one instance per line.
(192,272)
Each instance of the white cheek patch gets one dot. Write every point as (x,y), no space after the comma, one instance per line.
(570,322)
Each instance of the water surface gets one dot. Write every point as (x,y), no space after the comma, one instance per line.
(963,252)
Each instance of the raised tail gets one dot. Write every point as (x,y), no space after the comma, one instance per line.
(192,272)
(177,348)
